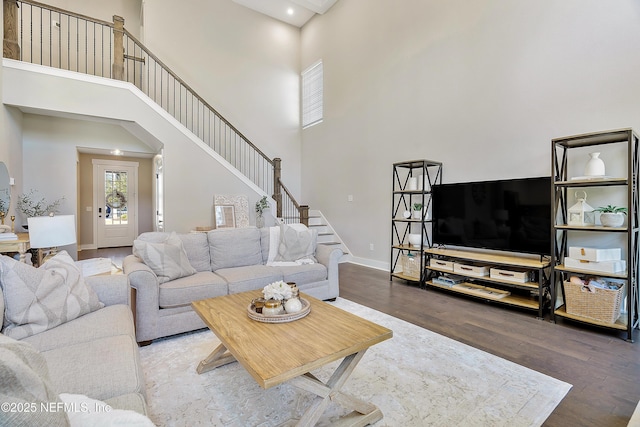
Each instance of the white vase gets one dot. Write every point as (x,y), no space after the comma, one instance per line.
(415,239)
(412,185)
(610,219)
(595,166)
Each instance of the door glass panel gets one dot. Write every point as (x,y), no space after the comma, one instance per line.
(115,190)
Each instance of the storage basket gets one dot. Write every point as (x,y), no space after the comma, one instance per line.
(411,266)
(602,305)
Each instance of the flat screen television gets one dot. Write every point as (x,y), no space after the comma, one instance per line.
(507,215)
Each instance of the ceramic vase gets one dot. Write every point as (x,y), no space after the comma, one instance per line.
(595,166)
(610,219)
(415,239)
(412,185)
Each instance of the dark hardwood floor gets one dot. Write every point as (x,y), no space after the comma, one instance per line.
(602,366)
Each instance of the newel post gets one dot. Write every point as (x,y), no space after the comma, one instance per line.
(118,47)
(277,192)
(10,46)
(304,214)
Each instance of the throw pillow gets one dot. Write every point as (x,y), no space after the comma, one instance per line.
(296,242)
(25,388)
(167,259)
(38,299)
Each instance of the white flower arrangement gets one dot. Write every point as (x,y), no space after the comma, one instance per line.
(277,290)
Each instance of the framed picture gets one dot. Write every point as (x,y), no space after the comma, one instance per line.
(225,216)
(240,205)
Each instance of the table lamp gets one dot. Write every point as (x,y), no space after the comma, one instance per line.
(51,231)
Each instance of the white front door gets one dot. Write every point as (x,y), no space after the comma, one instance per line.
(115,202)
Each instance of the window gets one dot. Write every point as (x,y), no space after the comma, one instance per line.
(312,95)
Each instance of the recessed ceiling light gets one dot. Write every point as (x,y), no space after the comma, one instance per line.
(290,11)
(117,152)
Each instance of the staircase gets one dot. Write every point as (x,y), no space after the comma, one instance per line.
(52,37)
(108,50)
(326,233)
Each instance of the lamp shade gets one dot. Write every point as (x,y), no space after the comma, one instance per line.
(51,231)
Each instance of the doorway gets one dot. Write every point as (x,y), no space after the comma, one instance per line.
(115,203)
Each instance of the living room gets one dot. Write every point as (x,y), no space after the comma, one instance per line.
(481,87)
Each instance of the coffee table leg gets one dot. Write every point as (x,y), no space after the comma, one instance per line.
(364,413)
(218,357)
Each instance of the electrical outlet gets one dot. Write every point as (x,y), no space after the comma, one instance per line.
(350,198)
(370,246)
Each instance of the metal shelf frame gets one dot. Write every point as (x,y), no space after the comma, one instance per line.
(560,151)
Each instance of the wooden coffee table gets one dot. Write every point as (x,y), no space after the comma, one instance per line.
(275,353)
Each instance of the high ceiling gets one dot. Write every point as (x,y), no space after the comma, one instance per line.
(294,12)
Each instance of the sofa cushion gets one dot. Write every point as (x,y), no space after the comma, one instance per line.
(101,369)
(265,242)
(130,401)
(24,382)
(296,242)
(302,274)
(193,288)
(1,308)
(195,245)
(234,247)
(86,328)
(98,413)
(249,278)
(167,259)
(38,299)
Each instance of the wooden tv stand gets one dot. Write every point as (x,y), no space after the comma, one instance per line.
(527,294)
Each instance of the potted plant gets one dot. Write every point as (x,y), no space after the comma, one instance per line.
(611,216)
(417,210)
(261,205)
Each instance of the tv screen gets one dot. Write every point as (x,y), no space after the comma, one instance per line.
(507,215)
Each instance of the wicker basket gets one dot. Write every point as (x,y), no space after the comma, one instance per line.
(602,305)
(411,266)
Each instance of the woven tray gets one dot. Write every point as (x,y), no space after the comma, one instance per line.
(280,318)
(602,305)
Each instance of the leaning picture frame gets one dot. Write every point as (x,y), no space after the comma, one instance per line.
(225,216)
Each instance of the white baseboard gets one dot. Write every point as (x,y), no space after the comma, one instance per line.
(89,247)
(379,265)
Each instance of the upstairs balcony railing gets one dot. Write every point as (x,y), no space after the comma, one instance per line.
(46,35)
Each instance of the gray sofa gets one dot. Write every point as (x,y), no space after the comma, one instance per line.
(226,261)
(95,355)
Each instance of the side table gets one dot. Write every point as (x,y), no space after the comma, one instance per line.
(20,245)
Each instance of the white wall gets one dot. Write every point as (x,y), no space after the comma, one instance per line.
(482,86)
(193,173)
(244,64)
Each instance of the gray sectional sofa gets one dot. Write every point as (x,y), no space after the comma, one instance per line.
(93,356)
(224,261)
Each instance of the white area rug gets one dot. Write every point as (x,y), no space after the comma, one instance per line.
(417,378)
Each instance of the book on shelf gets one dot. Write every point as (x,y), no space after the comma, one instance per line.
(8,236)
(448,280)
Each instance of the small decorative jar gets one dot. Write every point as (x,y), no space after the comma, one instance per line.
(272,307)
(258,304)
(293,304)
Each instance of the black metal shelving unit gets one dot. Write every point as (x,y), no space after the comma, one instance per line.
(403,200)
(563,183)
